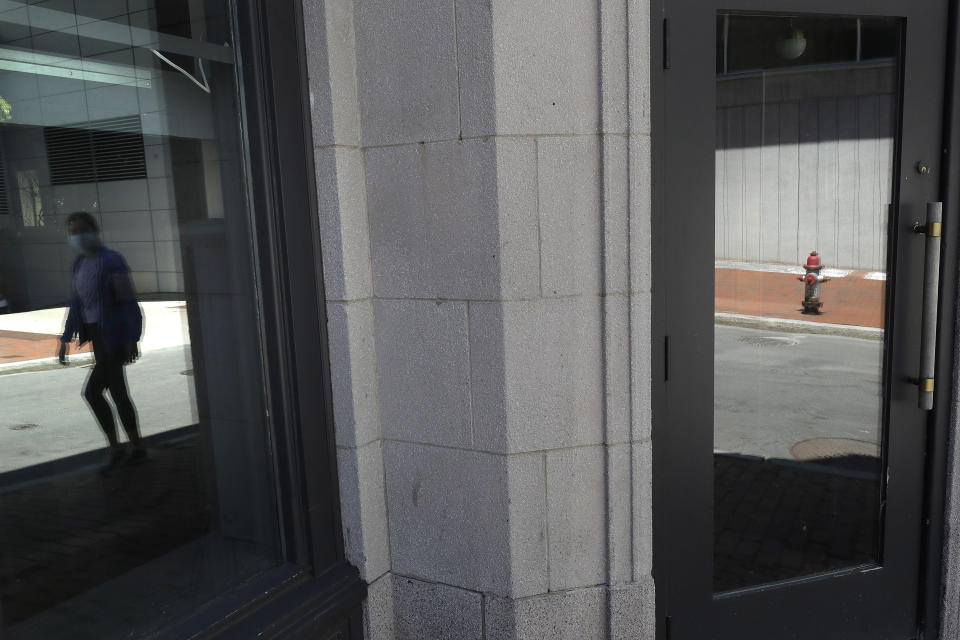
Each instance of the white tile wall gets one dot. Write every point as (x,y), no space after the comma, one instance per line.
(124,195)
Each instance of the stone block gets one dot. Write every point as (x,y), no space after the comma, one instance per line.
(423,371)
(318,71)
(527,485)
(353,372)
(363,509)
(519,249)
(342,67)
(617,387)
(344,235)
(431,611)
(576,514)
(448,512)
(571,217)
(616,212)
(642,509)
(614,42)
(407,71)
(640,366)
(475,48)
(633,611)
(536,374)
(640,204)
(378,613)
(579,614)
(619,516)
(434,221)
(545,67)
(639,71)
(332,69)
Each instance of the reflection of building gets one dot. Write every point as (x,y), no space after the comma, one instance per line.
(813,156)
(414,248)
(102,141)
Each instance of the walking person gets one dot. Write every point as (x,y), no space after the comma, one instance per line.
(104,311)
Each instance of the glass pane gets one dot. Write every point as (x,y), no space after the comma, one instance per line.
(804,154)
(130,494)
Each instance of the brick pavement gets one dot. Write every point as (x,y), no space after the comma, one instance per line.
(19,346)
(64,535)
(775,520)
(851,300)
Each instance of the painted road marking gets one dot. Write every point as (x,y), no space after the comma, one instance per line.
(791,269)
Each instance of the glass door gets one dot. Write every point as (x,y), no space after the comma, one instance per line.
(791,290)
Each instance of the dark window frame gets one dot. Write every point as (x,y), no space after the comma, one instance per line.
(316,592)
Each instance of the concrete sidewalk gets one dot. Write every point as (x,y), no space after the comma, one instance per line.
(850,298)
(30,338)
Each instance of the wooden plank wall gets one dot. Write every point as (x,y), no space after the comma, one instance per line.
(804,175)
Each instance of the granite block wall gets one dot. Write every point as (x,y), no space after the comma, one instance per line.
(483,182)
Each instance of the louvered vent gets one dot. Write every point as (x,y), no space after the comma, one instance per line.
(99,152)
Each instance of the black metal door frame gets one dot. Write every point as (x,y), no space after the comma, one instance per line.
(680,563)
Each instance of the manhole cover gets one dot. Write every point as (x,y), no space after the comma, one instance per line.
(770,341)
(822,448)
(188,372)
(24,426)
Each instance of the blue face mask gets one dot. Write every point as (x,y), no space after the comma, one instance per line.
(84,241)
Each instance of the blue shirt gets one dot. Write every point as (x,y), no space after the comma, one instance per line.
(86,282)
(120,320)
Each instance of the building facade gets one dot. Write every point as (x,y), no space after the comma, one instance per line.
(485,319)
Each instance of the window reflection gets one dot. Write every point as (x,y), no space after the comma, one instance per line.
(134,464)
(804,155)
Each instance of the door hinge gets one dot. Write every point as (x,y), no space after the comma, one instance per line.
(666,43)
(666,358)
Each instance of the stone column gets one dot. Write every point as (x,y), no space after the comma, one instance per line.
(483,171)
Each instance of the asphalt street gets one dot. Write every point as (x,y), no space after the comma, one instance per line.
(43,416)
(775,389)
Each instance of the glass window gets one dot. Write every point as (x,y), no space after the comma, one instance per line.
(136,478)
(805,141)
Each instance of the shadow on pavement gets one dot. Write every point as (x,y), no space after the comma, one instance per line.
(778,519)
(65,528)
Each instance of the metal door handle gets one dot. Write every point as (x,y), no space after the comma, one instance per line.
(931,288)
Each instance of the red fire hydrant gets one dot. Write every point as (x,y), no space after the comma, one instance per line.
(811,281)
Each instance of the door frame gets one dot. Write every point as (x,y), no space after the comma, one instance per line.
(929,608)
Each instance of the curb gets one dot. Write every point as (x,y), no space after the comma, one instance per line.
(797,326)
(23,366)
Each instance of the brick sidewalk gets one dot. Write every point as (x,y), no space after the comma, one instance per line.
(69,533)
(776,519)
(20,346)
(850,300)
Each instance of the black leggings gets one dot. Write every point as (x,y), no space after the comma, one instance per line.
(108,373)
